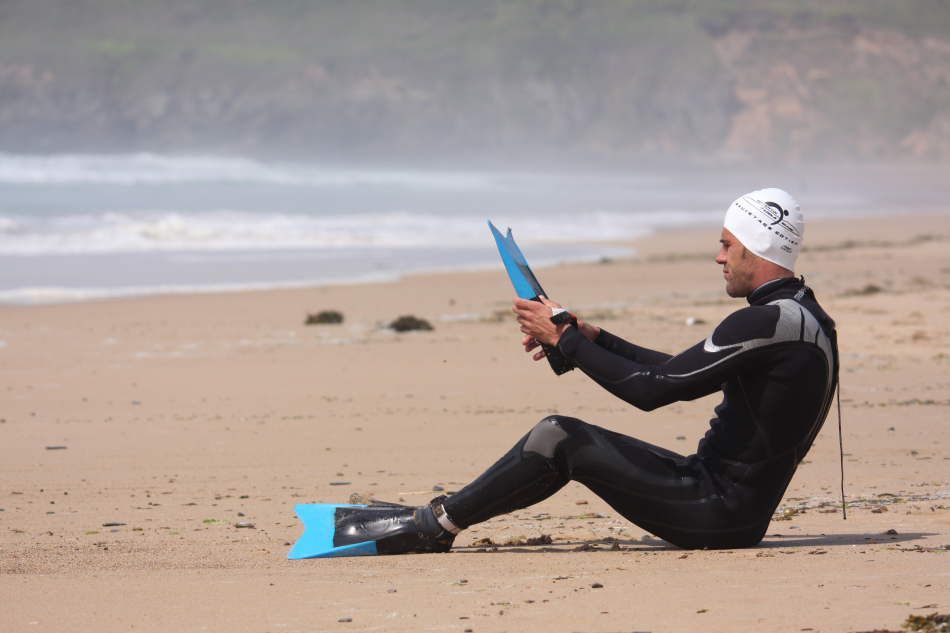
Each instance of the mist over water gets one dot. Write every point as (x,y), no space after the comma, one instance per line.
(84,226)
(127,132)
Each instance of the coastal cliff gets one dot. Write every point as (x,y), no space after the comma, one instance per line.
(699,81)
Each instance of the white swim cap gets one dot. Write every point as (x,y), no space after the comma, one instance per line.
(769,223)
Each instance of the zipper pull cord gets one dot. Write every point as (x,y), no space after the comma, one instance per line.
(844,510)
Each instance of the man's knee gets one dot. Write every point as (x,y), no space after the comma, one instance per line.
(546,435)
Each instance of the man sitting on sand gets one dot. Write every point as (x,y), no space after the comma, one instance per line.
(775,361)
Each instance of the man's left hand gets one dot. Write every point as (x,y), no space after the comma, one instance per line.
(535,320)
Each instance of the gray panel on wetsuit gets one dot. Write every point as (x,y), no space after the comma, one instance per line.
(795,323)
(544,438)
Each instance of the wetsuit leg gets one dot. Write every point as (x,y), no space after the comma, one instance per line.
(667,494)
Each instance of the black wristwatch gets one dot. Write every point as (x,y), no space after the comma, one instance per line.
(560,316)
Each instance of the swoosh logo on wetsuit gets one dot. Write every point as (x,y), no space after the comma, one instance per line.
(795,323)
(711,348)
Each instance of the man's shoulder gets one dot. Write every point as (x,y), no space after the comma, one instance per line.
(750,322)
(781,321)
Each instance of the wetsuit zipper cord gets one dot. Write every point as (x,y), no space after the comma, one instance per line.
(844,510)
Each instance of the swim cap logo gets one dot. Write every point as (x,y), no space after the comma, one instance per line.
(769,223)
(779,211)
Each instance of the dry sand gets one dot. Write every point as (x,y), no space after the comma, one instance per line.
(181,416)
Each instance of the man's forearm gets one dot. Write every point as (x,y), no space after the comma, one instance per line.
(630,351)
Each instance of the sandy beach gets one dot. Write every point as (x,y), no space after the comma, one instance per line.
(152,450)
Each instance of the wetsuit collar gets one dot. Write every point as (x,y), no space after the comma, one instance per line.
(767,291)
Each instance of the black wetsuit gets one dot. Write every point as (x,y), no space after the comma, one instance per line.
(776,362)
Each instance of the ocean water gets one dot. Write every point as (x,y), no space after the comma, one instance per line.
(75,227)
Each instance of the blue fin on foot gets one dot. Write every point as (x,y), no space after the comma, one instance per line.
(319,526)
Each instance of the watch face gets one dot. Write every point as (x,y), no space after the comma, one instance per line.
(559,318)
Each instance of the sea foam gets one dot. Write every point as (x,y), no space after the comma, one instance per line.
(150,169)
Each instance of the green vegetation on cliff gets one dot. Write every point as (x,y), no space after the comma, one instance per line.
(713,79)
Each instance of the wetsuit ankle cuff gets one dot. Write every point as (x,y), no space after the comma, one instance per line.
(443,518)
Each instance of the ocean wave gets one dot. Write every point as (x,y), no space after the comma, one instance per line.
(279,274)
(46,295)
(158,169)
(241,231)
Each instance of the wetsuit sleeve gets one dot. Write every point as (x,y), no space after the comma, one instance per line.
(696,372)
(617,345)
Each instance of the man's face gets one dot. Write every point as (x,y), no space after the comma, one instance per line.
(737,265)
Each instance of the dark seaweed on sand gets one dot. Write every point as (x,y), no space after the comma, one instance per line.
(486,541)
(933,623)
(869,289)
(324,317)
(408,322)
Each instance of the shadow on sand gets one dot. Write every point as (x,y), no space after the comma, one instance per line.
(771,541)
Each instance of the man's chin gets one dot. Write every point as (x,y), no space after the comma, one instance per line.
(734,293)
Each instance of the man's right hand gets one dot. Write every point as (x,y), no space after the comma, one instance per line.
(530,344)
(589,331)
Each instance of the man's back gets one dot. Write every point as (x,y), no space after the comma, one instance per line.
(778,393)
(775,361)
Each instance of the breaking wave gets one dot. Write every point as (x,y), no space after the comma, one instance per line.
(153,169)
(241,231)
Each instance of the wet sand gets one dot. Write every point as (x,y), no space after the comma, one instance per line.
(136,434)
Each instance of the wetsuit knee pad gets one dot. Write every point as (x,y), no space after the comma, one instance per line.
(546,436)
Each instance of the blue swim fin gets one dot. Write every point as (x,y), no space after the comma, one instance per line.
(367,530)
(522,278)
(526,286)
(319,528)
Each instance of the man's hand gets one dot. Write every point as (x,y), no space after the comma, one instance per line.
(535,321)
(589,330)
(530,344)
